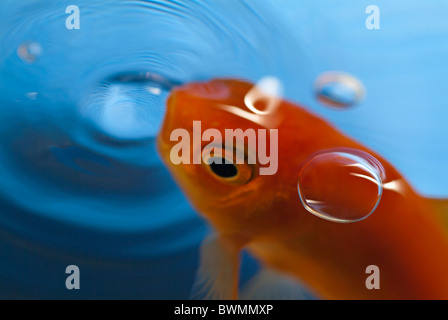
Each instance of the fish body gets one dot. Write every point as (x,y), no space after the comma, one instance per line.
(404,236)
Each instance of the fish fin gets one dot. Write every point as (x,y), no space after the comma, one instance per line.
(217,276)
(441,208)
(269,284)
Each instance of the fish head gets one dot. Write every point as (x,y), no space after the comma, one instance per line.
(227,179)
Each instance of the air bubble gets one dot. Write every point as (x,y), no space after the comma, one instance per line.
(341,186)
(29,51)
(339,90)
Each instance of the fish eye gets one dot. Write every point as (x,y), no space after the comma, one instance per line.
(226,169)
(223,169)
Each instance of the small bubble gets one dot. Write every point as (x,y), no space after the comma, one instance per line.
(341,186)
(339,90)
(29,51)
(264,97)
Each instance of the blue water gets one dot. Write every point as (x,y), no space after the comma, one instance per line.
(80,181)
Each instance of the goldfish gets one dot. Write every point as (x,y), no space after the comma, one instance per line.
(404,236)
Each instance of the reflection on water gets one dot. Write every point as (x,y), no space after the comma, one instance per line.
(81,182)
